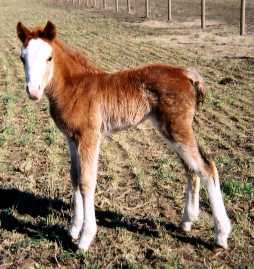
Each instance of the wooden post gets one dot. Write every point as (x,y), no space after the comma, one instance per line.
(169,11)
(129,6)
(147,8)
(117,5)
(242,17)
(203,22)
(104,4)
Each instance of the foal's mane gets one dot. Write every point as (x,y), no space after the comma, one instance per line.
(78,57)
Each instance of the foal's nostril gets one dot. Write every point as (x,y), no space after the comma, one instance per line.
(31,94)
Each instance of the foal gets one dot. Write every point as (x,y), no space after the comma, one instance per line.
(87,103)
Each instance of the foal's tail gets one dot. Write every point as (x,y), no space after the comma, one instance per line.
(197,82)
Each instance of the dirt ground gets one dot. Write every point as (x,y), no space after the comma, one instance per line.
(141,183)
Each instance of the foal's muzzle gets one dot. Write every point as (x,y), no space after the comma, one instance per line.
(33,95)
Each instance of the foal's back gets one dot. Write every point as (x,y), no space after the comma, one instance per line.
(130,96)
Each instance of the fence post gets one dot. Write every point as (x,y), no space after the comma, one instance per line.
(169,11)
(147,8)
(117,5)
(242,19)
(203,22)
(129,6)
(104,4)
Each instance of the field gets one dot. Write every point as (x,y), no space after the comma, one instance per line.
(141,183)
(223,12)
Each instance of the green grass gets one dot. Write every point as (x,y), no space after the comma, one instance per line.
(236,189)
(141,183)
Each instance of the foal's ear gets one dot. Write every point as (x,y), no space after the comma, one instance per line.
(22,32)
(49,32)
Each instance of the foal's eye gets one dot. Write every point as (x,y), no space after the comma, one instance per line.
(49,59)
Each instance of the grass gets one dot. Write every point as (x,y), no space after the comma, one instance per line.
(235,189)
(140,192)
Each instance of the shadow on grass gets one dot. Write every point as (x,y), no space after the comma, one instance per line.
(36,206)
(28,203)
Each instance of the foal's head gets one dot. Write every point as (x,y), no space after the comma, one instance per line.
(37,57)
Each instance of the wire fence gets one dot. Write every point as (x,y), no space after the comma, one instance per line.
(233,11)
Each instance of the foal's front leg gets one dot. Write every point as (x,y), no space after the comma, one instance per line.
(78,217)
(88,152)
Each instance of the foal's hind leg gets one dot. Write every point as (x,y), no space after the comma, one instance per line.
(191,210)
(78,217)
(183,142)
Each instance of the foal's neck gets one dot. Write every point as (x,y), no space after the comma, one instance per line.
(72,76)
(70,68)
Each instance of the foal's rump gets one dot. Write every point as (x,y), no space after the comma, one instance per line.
(165,81)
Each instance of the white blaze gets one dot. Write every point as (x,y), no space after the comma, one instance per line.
(38,69)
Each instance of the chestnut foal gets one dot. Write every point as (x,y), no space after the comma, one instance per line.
(87,103)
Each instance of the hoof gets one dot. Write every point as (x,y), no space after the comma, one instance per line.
(222,241)
(222,234)
(74,232)
(186,226)
(82,249)
(84,245)
(86,239)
